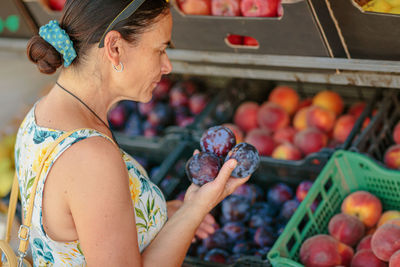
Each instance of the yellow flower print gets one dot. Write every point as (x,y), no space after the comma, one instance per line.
(134,187)
(39,157)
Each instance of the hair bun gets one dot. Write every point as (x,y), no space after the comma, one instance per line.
(47,59)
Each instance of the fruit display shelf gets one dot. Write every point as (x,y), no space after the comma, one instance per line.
(210,33)
(346,172)
(289,171)
(156,128)
(375,140)
(368,34)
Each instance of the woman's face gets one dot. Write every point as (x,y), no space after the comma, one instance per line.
(146,62)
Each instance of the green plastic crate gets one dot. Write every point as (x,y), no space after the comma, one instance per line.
(345,172)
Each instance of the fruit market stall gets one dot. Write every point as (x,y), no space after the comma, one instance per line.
(312,85)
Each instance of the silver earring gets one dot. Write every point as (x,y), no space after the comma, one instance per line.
(119,70)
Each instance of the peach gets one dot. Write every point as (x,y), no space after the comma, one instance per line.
(392,157)
(310,140)
(286,151)
(386,241)
(246,116)
(346,228)
(365,243)
(299,120)
(364,205)
(236,131)
(394,221)
(329,100)
(388,215)
(346,254)
(285,97)
(396,133)
(320,118)
(394,261)
(261,140)
(343,127)
(356,109)
(320,250)
(366,257)
(284,135)
(272,117)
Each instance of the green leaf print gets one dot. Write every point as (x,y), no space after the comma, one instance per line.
(30,183)
(139,213)
(141,225)
(152,204)
(79,248)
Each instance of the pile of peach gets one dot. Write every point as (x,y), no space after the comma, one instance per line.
(359,236)
(392,154)
(286,127)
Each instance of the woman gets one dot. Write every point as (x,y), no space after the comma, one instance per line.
(88,209)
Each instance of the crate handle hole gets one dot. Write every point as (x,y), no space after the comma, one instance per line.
(241,41)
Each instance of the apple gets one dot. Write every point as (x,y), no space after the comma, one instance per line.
(250,41)
(195,7)
(235,39)
(259,8)
(57,5)
(228,8)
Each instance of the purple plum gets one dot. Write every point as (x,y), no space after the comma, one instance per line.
(218,140)
(247,158)
(202,168)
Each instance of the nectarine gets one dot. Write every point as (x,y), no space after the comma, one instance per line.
(272,117)
(366,257)
(320,250)
(364,205)
(346,228)
(286,97)
(386,241)
(246,116)
(329,100)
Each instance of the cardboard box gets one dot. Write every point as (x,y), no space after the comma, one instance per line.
(15,21)
(368,35)
(295,33)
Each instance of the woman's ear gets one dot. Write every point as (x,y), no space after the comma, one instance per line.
(112,46)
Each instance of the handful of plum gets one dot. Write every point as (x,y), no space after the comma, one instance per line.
(218,145)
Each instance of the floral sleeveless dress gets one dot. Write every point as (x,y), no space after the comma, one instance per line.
(32,142)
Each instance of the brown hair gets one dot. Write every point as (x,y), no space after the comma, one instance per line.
(85,21)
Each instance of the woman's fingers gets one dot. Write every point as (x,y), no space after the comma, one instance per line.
(201,233)
(209,219)
(196,151)
(225,172)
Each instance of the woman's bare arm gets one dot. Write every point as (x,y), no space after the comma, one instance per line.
(98,195)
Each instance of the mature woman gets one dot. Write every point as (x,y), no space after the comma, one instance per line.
(95,205)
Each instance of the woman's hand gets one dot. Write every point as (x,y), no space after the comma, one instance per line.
(206,197)
(207,226)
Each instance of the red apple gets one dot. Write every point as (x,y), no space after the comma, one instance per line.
(250,41)
(229,8)
(235,39)
(57,5)
(195,7)
(259,8)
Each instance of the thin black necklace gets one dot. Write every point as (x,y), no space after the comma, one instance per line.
(94,113)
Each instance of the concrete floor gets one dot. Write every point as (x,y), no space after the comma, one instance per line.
(21,84)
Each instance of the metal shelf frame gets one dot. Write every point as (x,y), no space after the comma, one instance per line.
(358,72)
